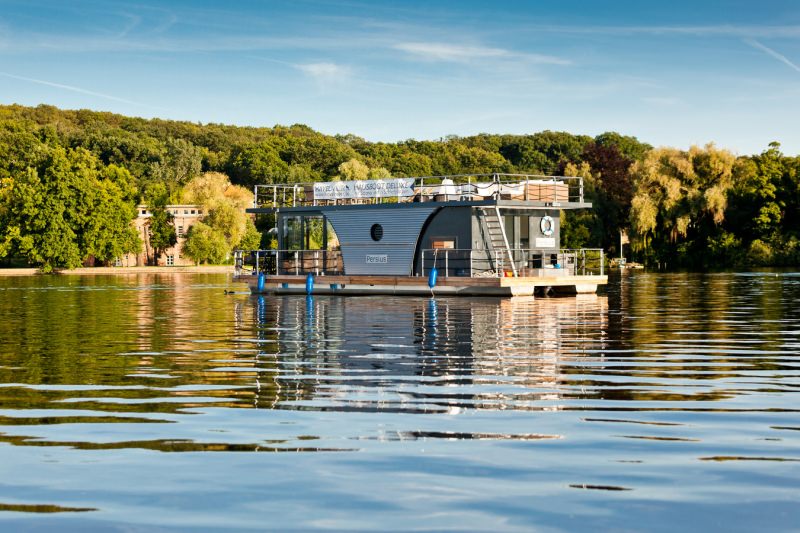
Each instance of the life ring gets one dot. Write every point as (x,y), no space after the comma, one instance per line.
(547,226)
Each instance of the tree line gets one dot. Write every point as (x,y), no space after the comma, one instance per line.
(70,181)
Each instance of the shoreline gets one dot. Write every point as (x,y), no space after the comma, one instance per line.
(94,271)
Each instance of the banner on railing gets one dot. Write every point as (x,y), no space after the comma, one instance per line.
(335,190)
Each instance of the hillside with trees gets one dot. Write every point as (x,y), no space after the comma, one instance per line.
(70,181)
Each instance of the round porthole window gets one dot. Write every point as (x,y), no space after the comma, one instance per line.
(547,226)
(376,232)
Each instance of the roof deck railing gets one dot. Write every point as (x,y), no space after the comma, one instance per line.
(552,191)
(450,262)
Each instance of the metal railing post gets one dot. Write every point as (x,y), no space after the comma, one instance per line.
(422,263)
(296,264)
(446,263)
(470,263)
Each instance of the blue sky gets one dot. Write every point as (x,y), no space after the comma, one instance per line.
(671,73)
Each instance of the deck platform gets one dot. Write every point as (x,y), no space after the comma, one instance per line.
(417,285)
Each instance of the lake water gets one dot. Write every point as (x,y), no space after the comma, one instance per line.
(149,403)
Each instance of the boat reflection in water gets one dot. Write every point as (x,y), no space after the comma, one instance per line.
(422,355)
(670,403)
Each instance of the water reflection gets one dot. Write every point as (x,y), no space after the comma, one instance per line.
(415,355)
(154,354)
(668,399)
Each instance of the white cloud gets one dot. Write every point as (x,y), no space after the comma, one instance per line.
(724,30)
(71,88)
(780,57)
(460,53)
(449,52)
(325,72)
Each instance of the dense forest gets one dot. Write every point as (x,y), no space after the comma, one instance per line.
(70,181)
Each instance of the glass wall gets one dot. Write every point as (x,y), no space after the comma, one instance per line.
(306,233)
(293,233)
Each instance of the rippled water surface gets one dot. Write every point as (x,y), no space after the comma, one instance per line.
(163,403)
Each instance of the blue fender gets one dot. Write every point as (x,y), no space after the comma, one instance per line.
(310,284)
(432,277)
(262,278)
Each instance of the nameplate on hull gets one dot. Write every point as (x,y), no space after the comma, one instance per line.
(377,259)
(546,242)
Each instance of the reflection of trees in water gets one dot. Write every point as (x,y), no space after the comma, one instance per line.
(142,342)
(164,344)
(708,326)
(89,338)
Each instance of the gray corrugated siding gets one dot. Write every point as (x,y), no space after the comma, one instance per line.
(401,228)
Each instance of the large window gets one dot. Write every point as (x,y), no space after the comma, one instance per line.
(308,233)
(293,233)
(333,240)
(314,233)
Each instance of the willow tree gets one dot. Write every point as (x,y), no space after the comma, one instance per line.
(205,244)
(353,170)
(225,205)
(679,200)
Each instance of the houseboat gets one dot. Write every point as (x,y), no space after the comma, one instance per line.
(496,234)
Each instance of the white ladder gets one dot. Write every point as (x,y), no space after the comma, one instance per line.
(497,234)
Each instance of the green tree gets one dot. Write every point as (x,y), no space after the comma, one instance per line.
(122,178)
(251,240)
(207,190)
(611,157)
(205,244)
(229,221)
(62,212)
(352,170)
(224,203)
(582,228)
(679,202)
(108,233)
(258,164)
(181,162)
(379,173)
(161,232)
(756,210)
(40,227)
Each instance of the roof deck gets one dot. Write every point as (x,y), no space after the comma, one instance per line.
(518,190)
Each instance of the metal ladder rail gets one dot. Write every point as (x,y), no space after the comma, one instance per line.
(497,234)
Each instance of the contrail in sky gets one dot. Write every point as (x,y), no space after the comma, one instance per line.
(72,88)
(780,57)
